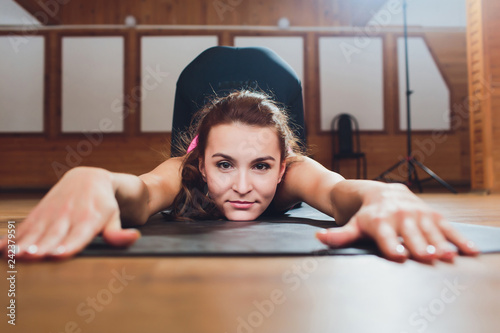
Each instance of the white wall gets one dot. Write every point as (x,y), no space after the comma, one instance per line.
(426,13)
(13,14)
(163,58)
(92,84)
(22,85)
(351,83)
(430,101)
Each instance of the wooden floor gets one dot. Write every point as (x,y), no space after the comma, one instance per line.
(274,294)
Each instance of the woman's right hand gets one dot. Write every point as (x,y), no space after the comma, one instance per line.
(79,207)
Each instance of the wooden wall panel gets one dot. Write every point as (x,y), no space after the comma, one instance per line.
(382,151)
(483,32)
(40,162)
(31,159)
(492,27)
(207,12)
(45,14)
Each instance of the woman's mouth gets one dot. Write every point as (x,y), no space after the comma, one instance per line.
(241,204)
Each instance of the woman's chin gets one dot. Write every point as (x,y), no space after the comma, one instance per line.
(241,215)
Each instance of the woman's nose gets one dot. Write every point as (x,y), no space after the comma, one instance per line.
(242,183)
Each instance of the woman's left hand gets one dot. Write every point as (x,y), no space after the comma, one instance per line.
(403,226)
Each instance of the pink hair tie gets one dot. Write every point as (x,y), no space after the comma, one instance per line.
(193,144)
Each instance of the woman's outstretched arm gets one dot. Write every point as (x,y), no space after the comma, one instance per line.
(89,201)
(383,212)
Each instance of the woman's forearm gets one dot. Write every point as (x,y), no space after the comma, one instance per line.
(140,197)
(132,196)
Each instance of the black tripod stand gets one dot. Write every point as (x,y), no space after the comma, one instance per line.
(409,160)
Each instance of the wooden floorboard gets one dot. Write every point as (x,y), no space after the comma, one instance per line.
(260,295)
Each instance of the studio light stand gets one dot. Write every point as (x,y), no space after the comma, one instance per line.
(410,162)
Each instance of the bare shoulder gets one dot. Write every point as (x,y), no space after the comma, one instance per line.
(305,181)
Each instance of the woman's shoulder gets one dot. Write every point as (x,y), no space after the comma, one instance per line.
(287,192)
(304,179)
(302,168)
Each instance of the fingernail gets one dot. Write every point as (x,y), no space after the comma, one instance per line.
(32,249)
(322,232)
(471,245)
(59,250)
(400,249)
(431,249)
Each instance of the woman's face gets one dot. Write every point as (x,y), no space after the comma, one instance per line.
(242,168)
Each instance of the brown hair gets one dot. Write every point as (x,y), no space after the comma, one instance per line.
(244,107)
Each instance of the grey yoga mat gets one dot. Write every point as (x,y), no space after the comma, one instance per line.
(289,234)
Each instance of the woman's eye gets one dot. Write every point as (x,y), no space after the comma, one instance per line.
(224,165)
(262,166)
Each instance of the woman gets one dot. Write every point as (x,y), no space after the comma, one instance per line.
(244,162)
